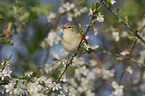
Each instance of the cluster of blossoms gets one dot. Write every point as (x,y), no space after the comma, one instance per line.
(118,89)
(66,7)
(5,72)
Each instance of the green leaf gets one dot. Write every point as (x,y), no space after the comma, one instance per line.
(132,37)
(54,59)
(118,58)
(117,10)
(136,30)
(93,7)
(109,2)
(93,22)
(80,26)
(9,58)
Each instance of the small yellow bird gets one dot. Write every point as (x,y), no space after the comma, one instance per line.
(71,37)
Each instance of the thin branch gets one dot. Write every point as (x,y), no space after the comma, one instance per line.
(47,56)
(130,53)
(123,22)
(76,51)
(135,41)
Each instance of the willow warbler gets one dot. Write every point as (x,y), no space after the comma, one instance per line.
(71,37)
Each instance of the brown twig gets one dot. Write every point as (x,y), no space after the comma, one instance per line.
(47,56)
(130,53)
(123,22)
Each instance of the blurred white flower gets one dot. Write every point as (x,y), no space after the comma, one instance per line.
(118,89)
(76,12)
(115,36)
(84,9)
(113,2)
(51,16)
(60,28)
(43,44)
(142,57)
(52,37)
(93,62)
(87,37)
(10,86)
(89,93)
(78,61)
(64,53)
(95,31)
(107,73)
(5,72)
(34,88)
(61,10)
(100,17)
(69,16)
(68,6)
(90,12)
(124,53)
(63,78)
(83,70)
(141,23)
(28,74)
(54,54)
(95,46)
(129,70)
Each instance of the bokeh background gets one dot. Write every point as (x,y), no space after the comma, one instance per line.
(28,55)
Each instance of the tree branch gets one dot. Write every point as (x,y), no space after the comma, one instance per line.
(123,22)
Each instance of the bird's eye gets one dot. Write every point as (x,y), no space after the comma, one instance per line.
(69,27)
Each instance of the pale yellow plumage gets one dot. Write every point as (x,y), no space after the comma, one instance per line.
(71,37)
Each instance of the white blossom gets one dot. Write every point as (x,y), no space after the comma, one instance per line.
(90,12)
(124,53)
(78,61)
(87,37)
(100,17)
(113,2)
(68,6)
(69,16)
(43,44)
(142,56)
(61,10)
(28,74)
(93,62)
(54,54)
(76,12)
(34,88)
(107,73)
(10,86)
(129,70)
(115,36)
(5,72)
(51,16)
(63,78)
(95,31)
(94,46)
(56,86)
(64,53)
(52,37)
(89,93)
(118,89)
(84,9)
